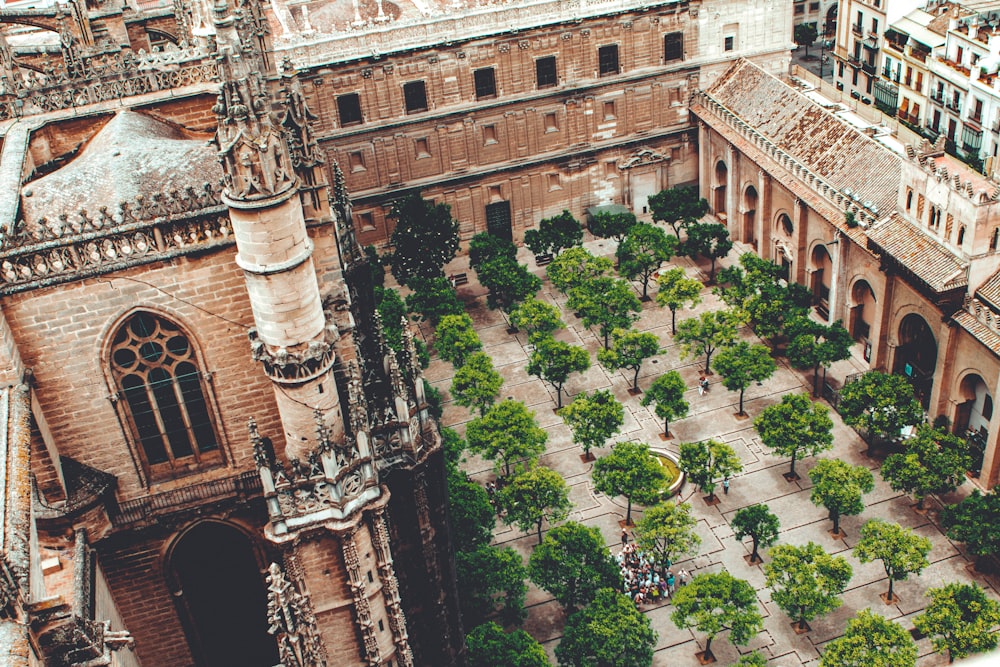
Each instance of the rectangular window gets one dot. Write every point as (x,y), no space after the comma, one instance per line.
(365,222)
(356,159)
(673,46)
(814,6)
(349,109)
(800,9)
(554,182)
(421,148)
(610,169)
(609,110)
(730,43)
(545,72)
(490,134)
(415,96)
(551,122)
(486,84)
(607,59)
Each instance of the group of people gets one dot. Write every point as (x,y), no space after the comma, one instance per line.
(642,580)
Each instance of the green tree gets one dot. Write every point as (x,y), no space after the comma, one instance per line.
(813,345)
(743,363)
(485,247)
(706,333)
(975,521)
(424,240)
(773,306)
(961,620)
(805,35)
(490,646)
(806,581)
(840,487)
(678,207)
(630,471)
(667,391)
(628,350)
(677,290)
(871,640)
(609,632)
(554,234)
(491,580)
(573,563)
(706,461)
(933,461)
(752,659)
(880,403)
(667,532)
(375,266)
(534,496)
(901,551)
(575,267)
(795,426)
(536,317)
(759,524)
(593,418)
(392,312)
(643,252)
(605,302)
(476,384)
(713,603)
(470,514)
(509,283)
(507,433)
(455,338)
(613,225)
(708,239)
(554,361)
(433,298)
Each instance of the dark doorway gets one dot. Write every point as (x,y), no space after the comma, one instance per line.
(916,356)
(721,178)
(223,598)
(498,220)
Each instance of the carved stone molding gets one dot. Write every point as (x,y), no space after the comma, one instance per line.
(362,608)
(292,622)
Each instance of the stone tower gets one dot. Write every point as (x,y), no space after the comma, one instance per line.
(334,599)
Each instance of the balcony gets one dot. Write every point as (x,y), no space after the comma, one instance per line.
(854,60)
(858,30)
(975,122)
(937,98)
(868,68)
(142,510)
(954,105)
(996,127)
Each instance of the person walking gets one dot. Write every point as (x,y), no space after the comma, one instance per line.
(682,577)
(702,385)
(725,486)
(670,582)
(624,538)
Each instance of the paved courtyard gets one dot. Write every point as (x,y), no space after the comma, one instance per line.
(711,416)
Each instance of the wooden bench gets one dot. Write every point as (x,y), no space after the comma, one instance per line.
(542,260)
(458,279)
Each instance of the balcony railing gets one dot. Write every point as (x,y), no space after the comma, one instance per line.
(857,30)
(955,106)
(868,68)
(143,509)
(937,98)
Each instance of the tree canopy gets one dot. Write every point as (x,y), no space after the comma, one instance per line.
(713,603)
(961,619)
(507,433)
(533,497)
(554,361)
(554,234)
(537,318)
(609,632)
(628,350)
(605,302)
(880,403)
(975,521)
(678,207)
(490,646)
(707,461)
(433,298)
(901,551)
(742,363)
(933,461)
(485,247)
(470,514)
(708,239)
(871,639)
(840,487)
(455,338)
(612,225)
(676,290)
(759,524)
(795,426)
(667,391)
(706,333)
(667,531)
(593,418)
(630,471)
(806,581)
(424,240)
(508,282)
(573,563)
(476,384)
(813,345)
(643,252)
(491,581)
(805,34)
(575,267)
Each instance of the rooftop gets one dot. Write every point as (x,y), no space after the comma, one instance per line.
(925,257)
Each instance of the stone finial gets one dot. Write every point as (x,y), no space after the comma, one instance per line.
(292,622)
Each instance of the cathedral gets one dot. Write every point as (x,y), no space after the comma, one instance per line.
(217,461)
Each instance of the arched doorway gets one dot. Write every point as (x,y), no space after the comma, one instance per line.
(220,590)
(749,215)
(721,177)
(784,256)
(862,312)
(831,21)
(916,355)
(972,417)
(822,274)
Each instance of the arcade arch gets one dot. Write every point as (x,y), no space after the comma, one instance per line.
(916,355)
(750,199)
(721,178)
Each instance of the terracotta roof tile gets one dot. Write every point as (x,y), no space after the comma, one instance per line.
(990,290)
(983,333)
(925,257)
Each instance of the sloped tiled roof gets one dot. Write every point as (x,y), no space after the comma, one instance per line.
(919,253)
(842,155)
(968,321)
(990,290)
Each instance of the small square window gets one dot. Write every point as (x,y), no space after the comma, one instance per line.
(607,59)
(357,161)
(415,96)
(545,72)
(486,84)
(673,46)
(490,134)
(349,109)
(800,9)
(554,182)
(551,122)
(422,148)
(730,43)
(365,222)
(610,169)
(609,110)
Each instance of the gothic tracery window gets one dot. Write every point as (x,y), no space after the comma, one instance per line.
(160,386)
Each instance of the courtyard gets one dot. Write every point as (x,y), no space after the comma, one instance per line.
(712,415)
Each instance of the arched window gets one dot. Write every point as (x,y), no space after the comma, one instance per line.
(994,239)
(961,235)
(165,403)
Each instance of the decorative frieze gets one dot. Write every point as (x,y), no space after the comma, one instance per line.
(362,608)
(390,589)
(292,622)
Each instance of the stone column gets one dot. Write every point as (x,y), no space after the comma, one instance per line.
(885,338)
(732,190)
(704,155)
(990,473)
(836,262)
(763,217)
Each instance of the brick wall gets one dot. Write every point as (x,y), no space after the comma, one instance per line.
(195,112)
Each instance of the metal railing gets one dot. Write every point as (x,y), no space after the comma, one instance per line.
(244,485)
